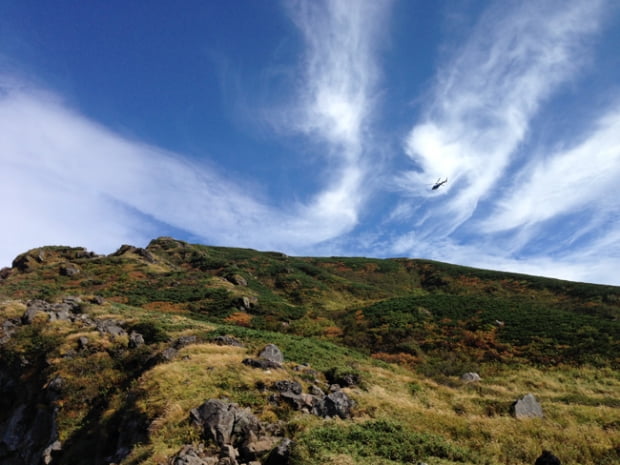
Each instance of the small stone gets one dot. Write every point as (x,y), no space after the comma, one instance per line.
(470,377)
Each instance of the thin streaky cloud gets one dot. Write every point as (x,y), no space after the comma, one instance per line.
(83,163)
(566,182)
(485,98)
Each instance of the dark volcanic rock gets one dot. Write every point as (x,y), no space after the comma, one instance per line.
(258,363)
(547,458)
(227,341)
(189,455)
(281,454)
(336,404)
(224,423)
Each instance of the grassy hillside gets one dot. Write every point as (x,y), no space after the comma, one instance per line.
(406,330)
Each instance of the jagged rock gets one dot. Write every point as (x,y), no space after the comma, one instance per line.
(224,423)
(64,311)
(287,386)
(184,341)
(272,353)
(188,455)
(69,269)
(34,308)
(547,458)
(99,300)
(110,326)
(227,341)
(281,454)
(82,342)
(334,404)
(5,272)
(47,457)
(135,339)
(470,377)
(168,354)
(246,303)
(8,329)
(236,279)
(125,249)
(258,363)
(315,391)
(28,261)
(527,407)
(253,447)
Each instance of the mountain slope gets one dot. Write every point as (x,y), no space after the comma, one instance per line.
(114,351)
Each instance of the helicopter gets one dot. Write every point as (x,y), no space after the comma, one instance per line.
(439,183)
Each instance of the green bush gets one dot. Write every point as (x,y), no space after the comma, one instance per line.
(375,440)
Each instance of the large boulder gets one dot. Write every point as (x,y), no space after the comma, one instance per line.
(224,423)
(335,404)
(272,353)
(527,407)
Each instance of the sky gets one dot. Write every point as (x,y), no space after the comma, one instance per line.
(317,128)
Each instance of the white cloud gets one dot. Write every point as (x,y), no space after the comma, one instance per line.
(585,176)
(485,97)
(71,180)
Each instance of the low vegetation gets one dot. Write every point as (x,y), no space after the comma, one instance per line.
(396,334)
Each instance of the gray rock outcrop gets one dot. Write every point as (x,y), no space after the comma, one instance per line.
(527,407)
(470,377)
(272,353)
(237,434)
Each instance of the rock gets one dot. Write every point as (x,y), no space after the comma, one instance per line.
(254,448)
(110,326)
(184,341)
(547,458)
(316,391)
(5,272)
(69,269)
(272,353)
(188,455)
(82,342)
(237,279)
(258,363)
(168,354)
(470,377)
(135,339)
(55,446)
(334,404)
(281,454)
(224,423)
(99,300)
(227,341)
(8,329)
(527,407)
(34,308)
(287,386)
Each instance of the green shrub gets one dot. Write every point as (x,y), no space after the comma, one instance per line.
(376,439)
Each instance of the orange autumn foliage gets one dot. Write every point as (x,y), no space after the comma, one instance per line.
(239,319)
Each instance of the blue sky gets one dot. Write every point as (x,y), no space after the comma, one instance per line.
(317,128)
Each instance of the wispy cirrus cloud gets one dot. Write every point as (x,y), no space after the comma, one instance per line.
(566,182)
(71,180)
(485,97)
(337,95)
(552,214)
